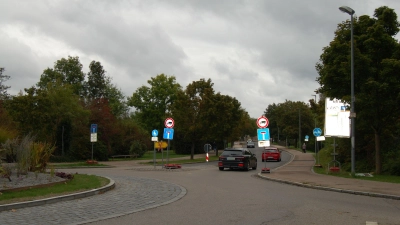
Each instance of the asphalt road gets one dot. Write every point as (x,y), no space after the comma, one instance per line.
(238,197)
(209,196)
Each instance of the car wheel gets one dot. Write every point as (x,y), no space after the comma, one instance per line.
(221,168)
(255,167)
(247,166)
(279,159)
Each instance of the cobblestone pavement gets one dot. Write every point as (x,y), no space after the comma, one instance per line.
(130,195)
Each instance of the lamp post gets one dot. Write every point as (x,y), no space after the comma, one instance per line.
(350,11)
(315,126)
(299,130)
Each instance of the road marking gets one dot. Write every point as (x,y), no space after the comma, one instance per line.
(371,223)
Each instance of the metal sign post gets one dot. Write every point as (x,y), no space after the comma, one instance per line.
(93,135)
(154,138)
(168,133)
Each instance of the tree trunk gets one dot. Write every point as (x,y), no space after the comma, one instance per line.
(192,152)
(378,163)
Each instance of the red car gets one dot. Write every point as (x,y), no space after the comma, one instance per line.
(271,153)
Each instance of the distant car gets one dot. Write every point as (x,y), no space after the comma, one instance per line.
(237,158)
(271,153)
(249,140)
(251,145)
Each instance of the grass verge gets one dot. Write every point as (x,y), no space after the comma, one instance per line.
(76,164)
(182,161)
(80,182)
(325,158)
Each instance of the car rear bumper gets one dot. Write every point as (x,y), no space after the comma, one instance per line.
(232,165)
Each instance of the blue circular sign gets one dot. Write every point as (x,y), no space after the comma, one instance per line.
(317,132)
(154,133)
(307,137)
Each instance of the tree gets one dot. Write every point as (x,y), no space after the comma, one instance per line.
(99,86)
(97,81)
(287,116)
(376,74)
(43,111)
(190,110)
(152,103)
(65,71)
(3,87)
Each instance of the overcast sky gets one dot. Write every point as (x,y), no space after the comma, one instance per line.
(259,51)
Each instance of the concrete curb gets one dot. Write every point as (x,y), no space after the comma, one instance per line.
(51,200)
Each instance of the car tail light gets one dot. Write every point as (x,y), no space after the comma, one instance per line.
(240,164)
(220,164)
(241,159)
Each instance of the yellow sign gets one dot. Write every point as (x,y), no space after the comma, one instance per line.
(160,144)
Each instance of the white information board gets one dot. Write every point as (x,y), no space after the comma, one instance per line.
(337,121)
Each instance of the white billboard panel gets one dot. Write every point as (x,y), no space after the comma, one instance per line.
(337,121)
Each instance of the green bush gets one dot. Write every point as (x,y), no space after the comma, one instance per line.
(137,148)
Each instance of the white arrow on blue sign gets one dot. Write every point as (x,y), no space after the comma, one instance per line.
(263,134)
(168,133)
(154,133)
(317,132)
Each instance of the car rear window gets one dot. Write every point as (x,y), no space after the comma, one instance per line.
(271,150)
(232,152)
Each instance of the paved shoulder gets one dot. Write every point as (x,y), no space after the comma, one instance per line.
(299,171)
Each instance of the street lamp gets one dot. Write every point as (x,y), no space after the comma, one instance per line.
(315,126)
(350,11)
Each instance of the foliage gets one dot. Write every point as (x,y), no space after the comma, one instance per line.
(40,156)
(99,86)
(376,75)
(23,154)
(68,176)
(3,87)
(152,103)
(137,148)
(287,116)
(65,71)
(6,171)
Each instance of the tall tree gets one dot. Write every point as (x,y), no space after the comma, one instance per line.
(97,81)
(376,74)
(99,86)
(152,103)
(65,71)
(189,110)
(3,87)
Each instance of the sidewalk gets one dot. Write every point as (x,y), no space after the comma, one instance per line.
(299,171)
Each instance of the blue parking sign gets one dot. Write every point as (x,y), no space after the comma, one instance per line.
(93,128)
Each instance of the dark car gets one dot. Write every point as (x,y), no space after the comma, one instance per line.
(237,158)
(251,144)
